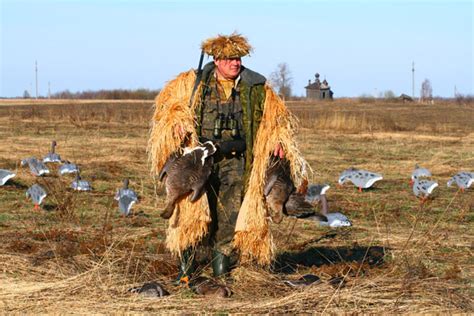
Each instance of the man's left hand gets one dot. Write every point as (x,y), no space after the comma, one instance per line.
(279,151)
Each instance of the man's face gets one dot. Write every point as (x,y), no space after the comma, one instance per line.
(228,68)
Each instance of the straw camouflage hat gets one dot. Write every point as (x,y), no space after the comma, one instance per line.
(226,46)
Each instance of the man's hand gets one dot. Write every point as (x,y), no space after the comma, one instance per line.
(179,131)
(278,151)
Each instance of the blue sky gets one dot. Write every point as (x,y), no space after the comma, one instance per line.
(360,47)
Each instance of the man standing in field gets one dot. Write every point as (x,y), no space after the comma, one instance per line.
(235,108)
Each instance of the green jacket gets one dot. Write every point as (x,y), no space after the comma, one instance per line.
(252,98)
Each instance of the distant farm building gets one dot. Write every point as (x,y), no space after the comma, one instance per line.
(318,90)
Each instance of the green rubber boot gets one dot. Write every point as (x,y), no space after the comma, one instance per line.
(187,266)
(220,263)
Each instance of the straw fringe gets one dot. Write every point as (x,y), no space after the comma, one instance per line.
(253,237)
(172,109)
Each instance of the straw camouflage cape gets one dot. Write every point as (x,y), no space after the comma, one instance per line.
(252,234)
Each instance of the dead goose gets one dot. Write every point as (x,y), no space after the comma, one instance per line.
(5,175)
(187,173)
(419,172)
(462,179)
(68,167)
(80,185)
(362,179)
(281,194)
(126,198)
(37,167)
(314,192)
(52,156)
(208,287)
(37,195)
(423,188)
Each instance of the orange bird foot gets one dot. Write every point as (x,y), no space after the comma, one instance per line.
(360,189)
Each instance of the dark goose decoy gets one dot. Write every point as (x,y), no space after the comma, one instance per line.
(463,180)
(37,168)
(150,290)
(68,167)
(52,156)
(186,173)
(419,172)
(281,194)
(5,175)
(126,198)
(80,185)
(37,195)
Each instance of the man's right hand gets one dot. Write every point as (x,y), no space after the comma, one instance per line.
(179,131)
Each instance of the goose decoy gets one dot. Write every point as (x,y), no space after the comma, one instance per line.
(281,194)
(423,188)
(343,176)
(362,179)
(304,281)
(462,179)
(5,175)
(68,167)
(419,172)
(151,289)
(334,220)
(186,173)
(80,185)
(37,168)
(126,198)
(52,156)
(37,195)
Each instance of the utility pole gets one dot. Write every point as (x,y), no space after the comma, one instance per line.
(36,77)
(49,90)
(455,92)
(413,80)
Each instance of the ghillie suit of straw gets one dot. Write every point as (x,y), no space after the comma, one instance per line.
(265,124)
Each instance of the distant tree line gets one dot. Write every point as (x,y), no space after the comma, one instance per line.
(115,94)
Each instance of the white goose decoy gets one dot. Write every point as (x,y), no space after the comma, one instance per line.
(423,188)
(68,167)
(463,180)
(362,179)
(343,176)
(37,168)
(80,185)
(126,198)
(5,175)
(52,156)
(37,195)
(336,220)
(419,172)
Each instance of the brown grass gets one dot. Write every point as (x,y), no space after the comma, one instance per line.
(79,255)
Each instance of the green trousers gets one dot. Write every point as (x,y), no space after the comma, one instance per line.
(224,192)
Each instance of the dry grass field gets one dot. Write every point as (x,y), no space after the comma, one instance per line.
(78,255)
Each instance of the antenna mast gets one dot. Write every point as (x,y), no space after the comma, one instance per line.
(36,77)
(413,80)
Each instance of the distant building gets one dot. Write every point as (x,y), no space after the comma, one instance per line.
(318,90)
(405,98)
